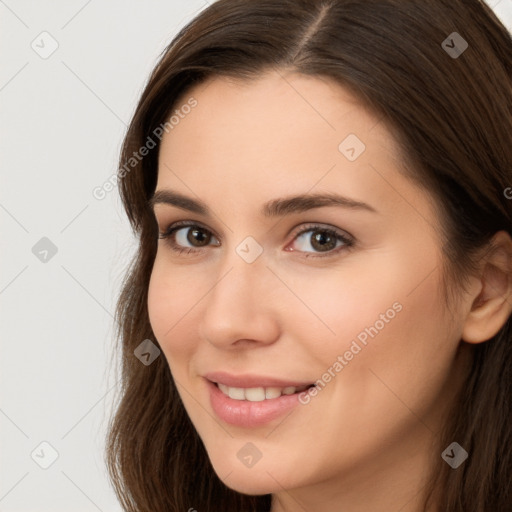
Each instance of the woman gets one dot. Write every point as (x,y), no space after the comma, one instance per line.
(321,298)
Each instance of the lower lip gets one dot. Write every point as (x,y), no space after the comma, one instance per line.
(245,413)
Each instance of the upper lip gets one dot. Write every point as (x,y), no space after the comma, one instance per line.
(252,381)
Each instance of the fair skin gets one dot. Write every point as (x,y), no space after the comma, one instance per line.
(367,441)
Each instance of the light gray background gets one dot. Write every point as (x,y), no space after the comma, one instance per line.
(62,122)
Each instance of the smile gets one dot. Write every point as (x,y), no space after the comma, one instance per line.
(259,394)
(252,407)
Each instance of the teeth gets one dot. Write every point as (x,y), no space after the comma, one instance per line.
(254,394)
(223,388)
(236,393)
(258,394)
(272,392)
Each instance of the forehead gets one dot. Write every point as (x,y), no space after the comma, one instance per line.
(279,134)
(300,105)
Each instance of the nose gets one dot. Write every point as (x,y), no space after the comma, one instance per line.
(240,311)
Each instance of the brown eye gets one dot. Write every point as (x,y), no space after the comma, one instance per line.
(322,240)
(315,240)
(188,237)
(198,236)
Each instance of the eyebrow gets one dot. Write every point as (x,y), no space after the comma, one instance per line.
(274,208)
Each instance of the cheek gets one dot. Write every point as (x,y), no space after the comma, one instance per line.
(393,370)
(397,352)
(385,320)
(172,295)
(341,305)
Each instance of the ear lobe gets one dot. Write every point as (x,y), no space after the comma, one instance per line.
(492,306)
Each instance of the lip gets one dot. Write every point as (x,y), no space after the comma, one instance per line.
(244,413)
(252,381)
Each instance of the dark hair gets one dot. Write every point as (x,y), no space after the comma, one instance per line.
(451,116)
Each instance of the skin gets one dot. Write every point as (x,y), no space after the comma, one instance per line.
(369,438)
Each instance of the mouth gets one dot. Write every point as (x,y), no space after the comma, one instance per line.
(259,394)
(251,407)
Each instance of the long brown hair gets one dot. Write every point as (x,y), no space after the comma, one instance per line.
(452,117)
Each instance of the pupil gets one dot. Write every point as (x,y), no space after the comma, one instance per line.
(323,241)
(198,236)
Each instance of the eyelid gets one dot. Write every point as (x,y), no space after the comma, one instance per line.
(309,226)
(174,226)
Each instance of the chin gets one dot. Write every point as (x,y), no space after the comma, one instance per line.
(252,486)
(250,481)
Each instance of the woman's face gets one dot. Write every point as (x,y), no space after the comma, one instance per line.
(258,288)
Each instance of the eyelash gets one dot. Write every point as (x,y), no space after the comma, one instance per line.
(169,232)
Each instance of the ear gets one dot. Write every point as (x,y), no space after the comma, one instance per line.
(492,305)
